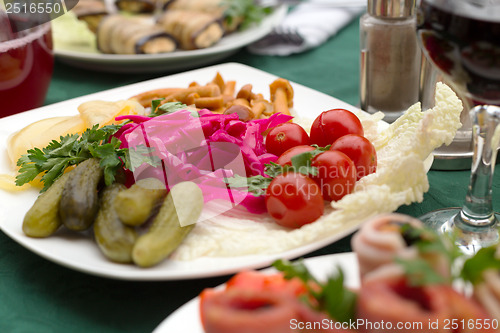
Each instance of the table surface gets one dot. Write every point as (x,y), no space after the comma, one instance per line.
(37,295)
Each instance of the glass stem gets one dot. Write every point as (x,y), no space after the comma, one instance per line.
(477,210)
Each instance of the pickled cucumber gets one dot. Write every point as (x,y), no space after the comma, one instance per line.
(175,220)
(42,220)
(137,203)
(80,201)
(115,239)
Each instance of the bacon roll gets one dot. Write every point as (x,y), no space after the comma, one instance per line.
(382,239)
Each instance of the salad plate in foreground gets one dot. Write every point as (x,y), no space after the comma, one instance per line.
(187,317)
(231,243)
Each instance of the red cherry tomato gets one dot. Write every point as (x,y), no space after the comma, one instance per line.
(332,124)
(254,280)
(294,199)
(336,174)
(284,137)
(360,150)
(286,157)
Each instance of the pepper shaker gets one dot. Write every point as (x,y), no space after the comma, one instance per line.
(390,58)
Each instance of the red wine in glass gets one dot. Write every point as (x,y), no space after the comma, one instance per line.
(26,65)
(461,38)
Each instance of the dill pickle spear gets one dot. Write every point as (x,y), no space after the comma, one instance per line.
(114,239)
(80,200)
(42,219)
(135,204)
(175,220)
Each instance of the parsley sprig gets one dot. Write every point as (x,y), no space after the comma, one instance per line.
(473,268)
(251,12)
(331,296)
(258,184)
(95,142)
(73,149)
(157,109)
(420,270)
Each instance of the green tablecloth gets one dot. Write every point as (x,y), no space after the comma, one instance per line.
(37,295)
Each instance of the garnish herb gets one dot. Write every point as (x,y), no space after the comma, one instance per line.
(95,142)
(484,259)
(247,9)
(72,150)
(169,107)
(331,296)
(257,185)
(419,270)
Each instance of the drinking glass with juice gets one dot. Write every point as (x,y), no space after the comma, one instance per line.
(26,65)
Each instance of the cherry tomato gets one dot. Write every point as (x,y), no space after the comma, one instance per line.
(336,174)
(360,150)
(254,280)
(332,124)
(284,137)
(294,199)
(286,157)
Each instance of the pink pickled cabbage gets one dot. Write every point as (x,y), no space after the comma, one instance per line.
(206,149)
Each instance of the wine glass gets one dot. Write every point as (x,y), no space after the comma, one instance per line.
(26,62)
(461,38)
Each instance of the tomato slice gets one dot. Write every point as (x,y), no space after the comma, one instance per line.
(294,199)
(332,124)
(360,150)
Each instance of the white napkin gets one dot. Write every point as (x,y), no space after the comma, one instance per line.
(315,22)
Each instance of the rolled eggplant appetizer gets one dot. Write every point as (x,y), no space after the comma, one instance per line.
(192,30)
(91,12)
(140,6)
(214,7)
(118,34)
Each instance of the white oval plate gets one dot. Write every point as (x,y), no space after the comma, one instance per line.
(79,251)
(174,61)
(187,317)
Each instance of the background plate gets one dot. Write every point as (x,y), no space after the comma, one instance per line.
(175,61)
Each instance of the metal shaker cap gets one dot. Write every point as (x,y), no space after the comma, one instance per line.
(391,8)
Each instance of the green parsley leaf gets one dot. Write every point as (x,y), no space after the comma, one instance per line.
(332,296)
(338,301)
(246,9)
(141,154)
(419,270)
(474,267)
(297,269)
(274,169)
(52,160)
(171,107)
(157,109)
(256,185)
(155,103)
